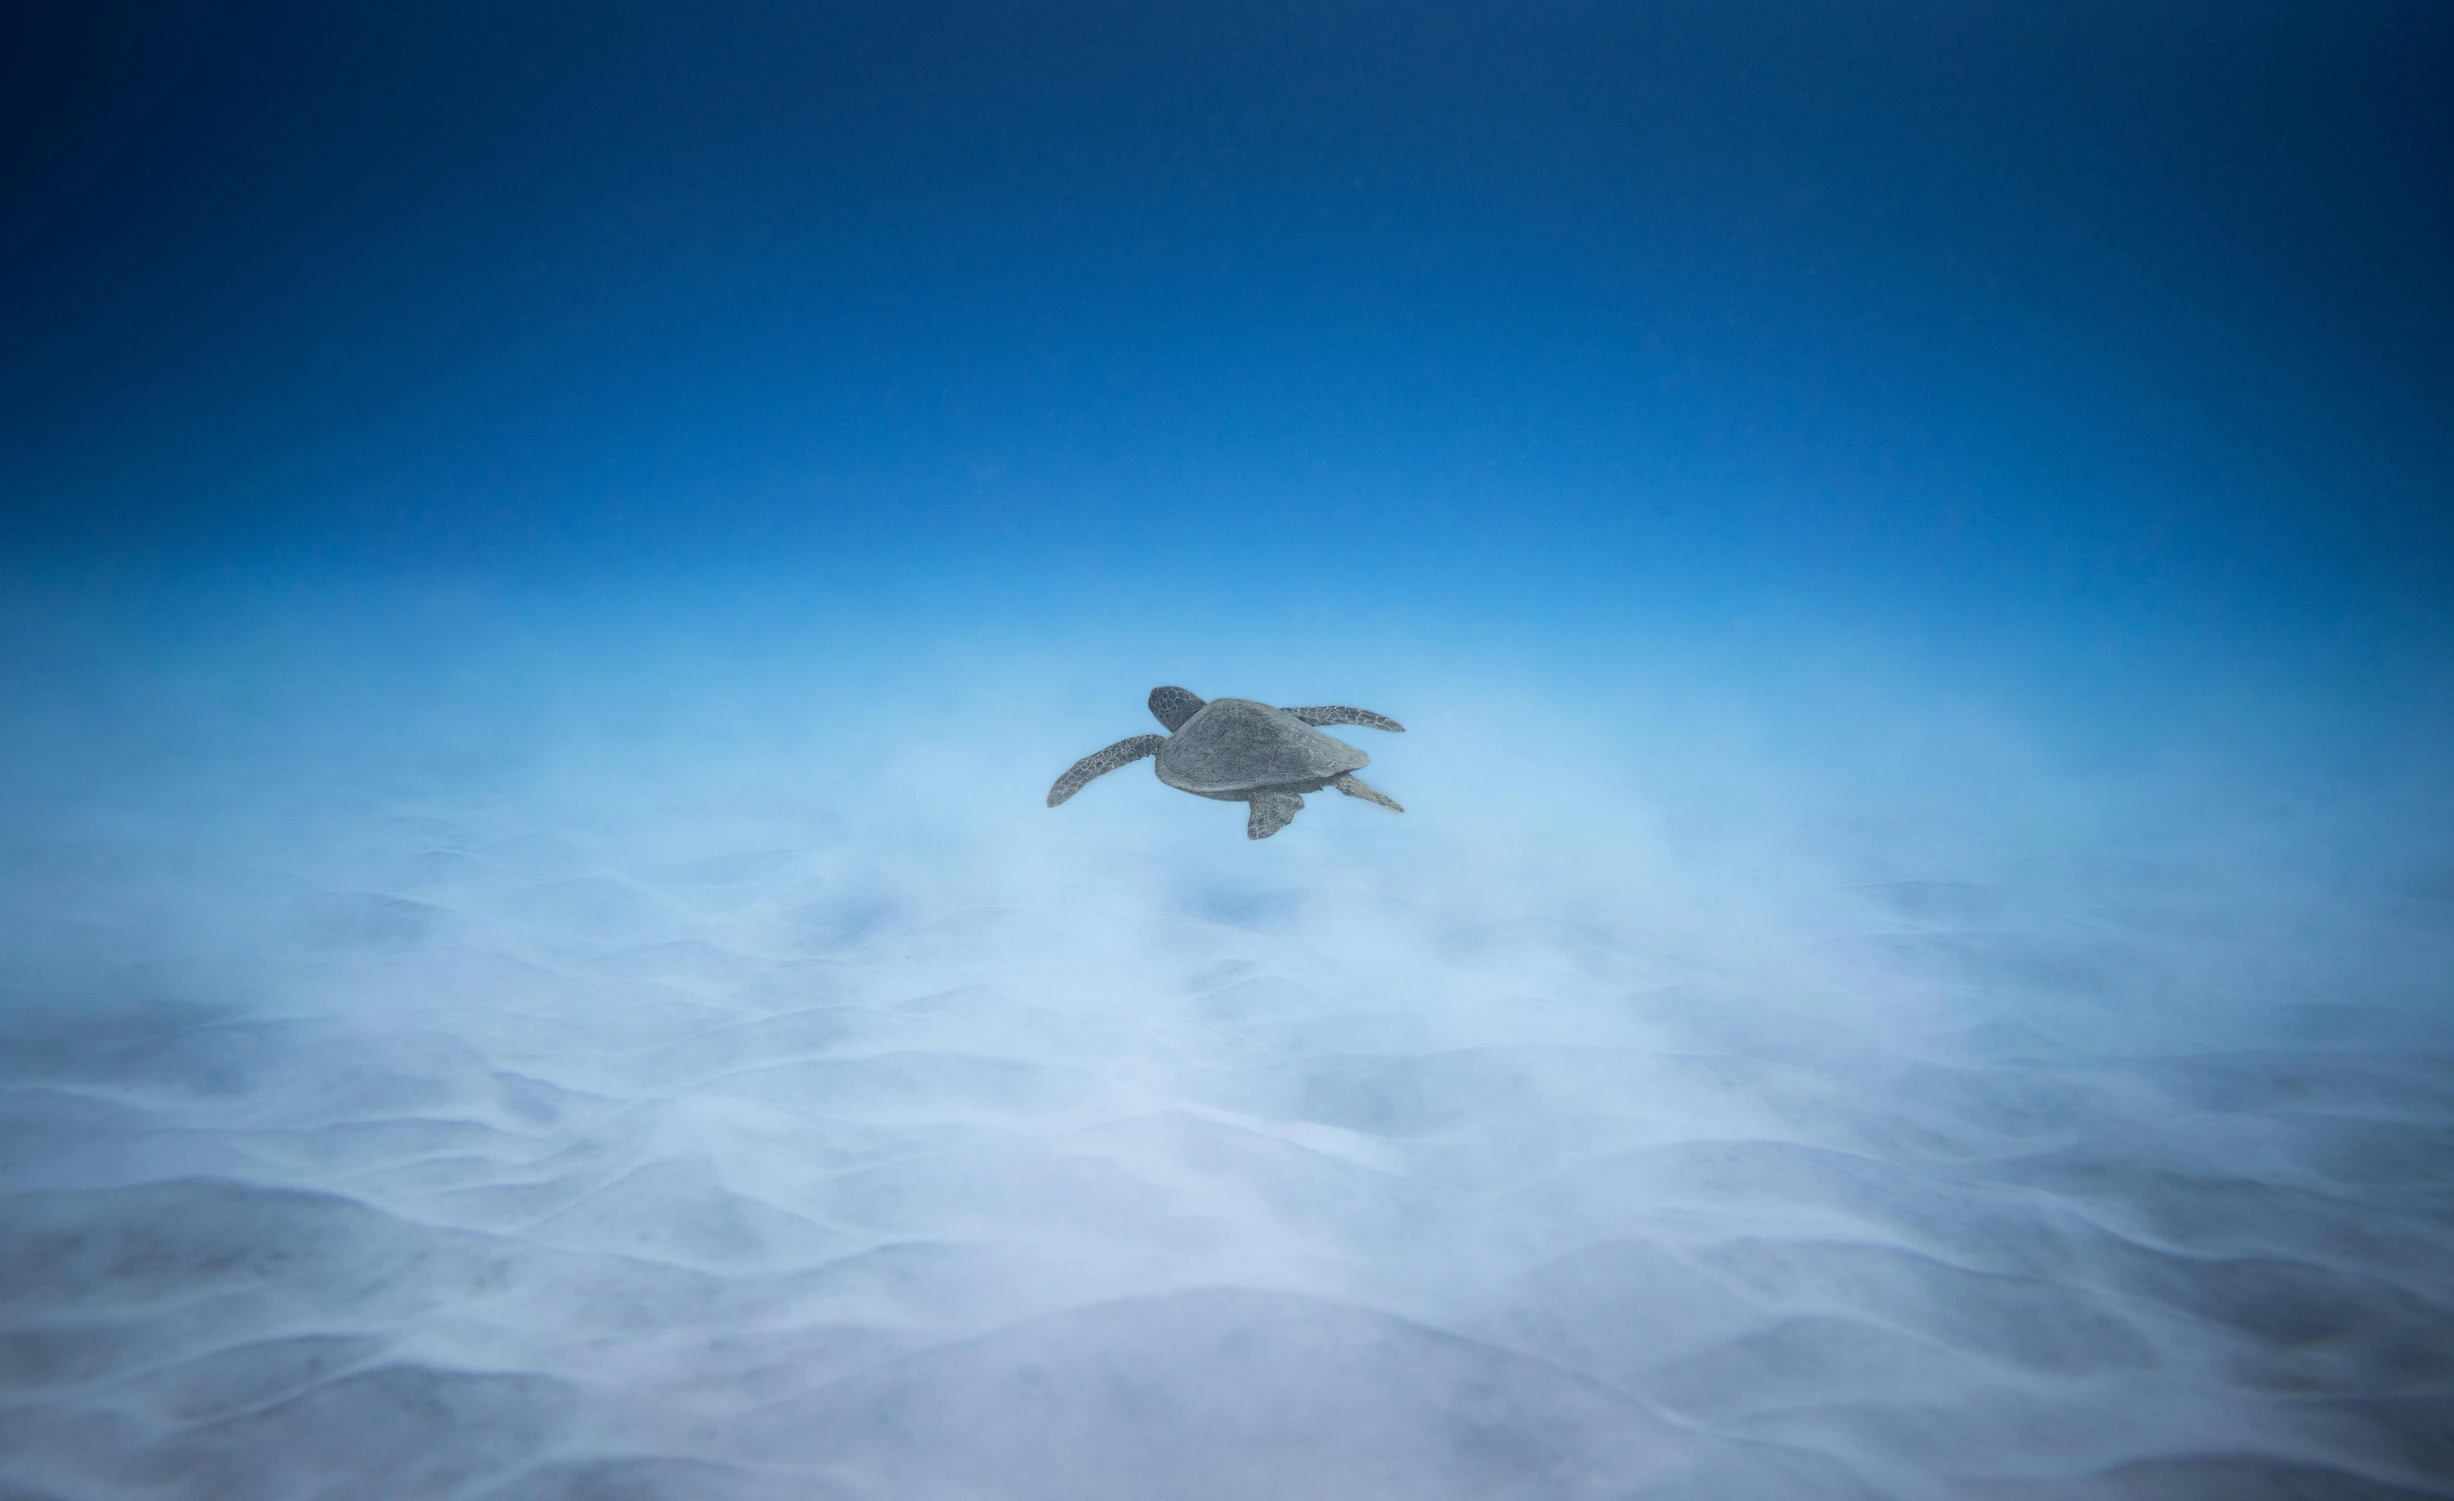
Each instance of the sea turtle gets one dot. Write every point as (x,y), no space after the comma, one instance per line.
(1239,751)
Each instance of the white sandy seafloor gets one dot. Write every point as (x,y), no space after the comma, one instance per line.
(690,1133)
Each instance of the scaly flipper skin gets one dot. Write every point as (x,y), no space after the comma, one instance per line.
(1341,714)
(1173,706)
(1272,811)
(1355,786)
(1100,763)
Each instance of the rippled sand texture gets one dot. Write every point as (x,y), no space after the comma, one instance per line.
(473,1159)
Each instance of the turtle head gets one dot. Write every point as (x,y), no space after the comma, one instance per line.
(1174,706)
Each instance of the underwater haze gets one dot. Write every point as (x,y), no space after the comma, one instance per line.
(553,554)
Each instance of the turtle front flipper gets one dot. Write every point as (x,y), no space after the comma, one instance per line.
(1174,706)
(1355,786)
(1341,714)
(1100,763)
(1272,811)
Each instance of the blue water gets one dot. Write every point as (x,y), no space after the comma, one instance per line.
(552,555)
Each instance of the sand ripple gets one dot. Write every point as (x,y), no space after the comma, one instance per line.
(525,1171)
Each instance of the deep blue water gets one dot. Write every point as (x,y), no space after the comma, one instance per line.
(552,554)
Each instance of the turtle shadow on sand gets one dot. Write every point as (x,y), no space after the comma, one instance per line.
(1239,751)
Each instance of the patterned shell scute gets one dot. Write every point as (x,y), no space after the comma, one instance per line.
(1235,743)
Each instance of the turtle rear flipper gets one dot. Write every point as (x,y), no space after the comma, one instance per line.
(1272,811)
(1100,762)
(1341,714)
(1355,786)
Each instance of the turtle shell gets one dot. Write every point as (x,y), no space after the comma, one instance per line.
(1237,745)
